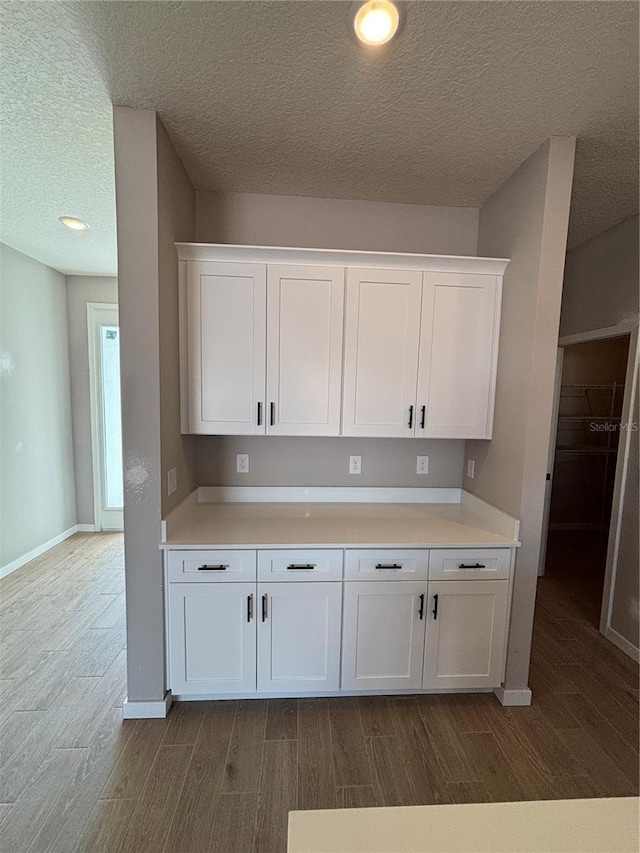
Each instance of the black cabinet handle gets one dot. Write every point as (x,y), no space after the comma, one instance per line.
(264,608)
(272,413)
(259,414)
(435,606)
(421,608)
(301,567)
(474,566)
(410,416)
(249,608)
(212,568)
(388,566)
(423,417)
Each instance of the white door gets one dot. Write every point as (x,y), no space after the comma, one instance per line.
(458,349)
(383,635)
(212,638)
(382,332)
(299,637)
(103,334)
(304,349)
(466,634)
(226,321)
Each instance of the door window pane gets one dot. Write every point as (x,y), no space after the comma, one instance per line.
(110,382)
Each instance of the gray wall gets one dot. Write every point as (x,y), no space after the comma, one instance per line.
(298,461)
(37,499)
(152,198)
(600,290)
(331,224)
(526,220)
(80,291)
(277,220)
(601,281)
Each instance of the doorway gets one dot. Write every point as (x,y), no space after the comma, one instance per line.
(589,400)
(106,420)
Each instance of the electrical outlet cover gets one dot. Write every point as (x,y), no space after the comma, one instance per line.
(355,464)
(242,463)
(422,464)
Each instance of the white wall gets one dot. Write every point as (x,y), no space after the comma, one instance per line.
(37,497)
(322,223)
(525,220)
(80,291)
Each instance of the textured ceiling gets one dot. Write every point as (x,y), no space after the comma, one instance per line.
(277,97)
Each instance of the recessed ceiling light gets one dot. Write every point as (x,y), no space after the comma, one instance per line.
(376,21)
(73,223)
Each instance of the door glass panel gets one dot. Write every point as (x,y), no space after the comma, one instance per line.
(112,422)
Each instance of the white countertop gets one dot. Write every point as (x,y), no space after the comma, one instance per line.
(550,826)
(273,525)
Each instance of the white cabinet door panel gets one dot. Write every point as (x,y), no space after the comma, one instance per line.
(466,634)
(383,635)
(227,341)
(212,638)
(382,333)
(299,637)
(458,344)
(304,349)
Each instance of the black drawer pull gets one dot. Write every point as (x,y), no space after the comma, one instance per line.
(410,417)
(421,608)
(272,413)
(212,568)
(388,566)
(264,608)
(435,606)
(423,417)
(301,567)
(474,566)
(259,414)
(249,608)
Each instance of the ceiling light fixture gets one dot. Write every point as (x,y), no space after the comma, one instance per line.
(73,223)
(376,21)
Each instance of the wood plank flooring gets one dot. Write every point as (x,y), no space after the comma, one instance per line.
(222,776)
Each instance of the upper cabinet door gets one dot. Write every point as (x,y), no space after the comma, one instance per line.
(458,351)
(226,318)
(382,334)
(304,349)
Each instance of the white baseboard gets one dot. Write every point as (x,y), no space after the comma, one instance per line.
(151,710)
(86,528)
(36,552)
(623,644)
(512,697)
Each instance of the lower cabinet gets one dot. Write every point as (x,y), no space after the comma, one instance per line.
(466,633)
(212,638)
(383,637)
(299,637)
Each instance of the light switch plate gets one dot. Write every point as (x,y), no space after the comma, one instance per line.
(422,464)
(355,464)
(471,468)
(242,463)
(172,481)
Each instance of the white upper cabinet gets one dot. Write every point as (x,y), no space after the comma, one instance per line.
(304,349)
(458,351)
(382,334)
(226,306)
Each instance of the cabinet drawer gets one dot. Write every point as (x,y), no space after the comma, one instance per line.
(385,564)
(469,564)
(211,566)
(303,565)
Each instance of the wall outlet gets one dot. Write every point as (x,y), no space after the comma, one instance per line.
(242,463)
(355,464)
(471,468)
(172,481)
(422,464)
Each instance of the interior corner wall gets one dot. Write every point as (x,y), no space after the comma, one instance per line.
(82,289)
(176,223)
(526,220)
(37,496)
(135,141)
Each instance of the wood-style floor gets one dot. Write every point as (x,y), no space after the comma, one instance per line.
(223,776)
